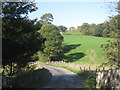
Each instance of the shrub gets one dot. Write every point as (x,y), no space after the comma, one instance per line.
(90,82)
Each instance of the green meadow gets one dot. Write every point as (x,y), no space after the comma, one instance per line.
(83,49)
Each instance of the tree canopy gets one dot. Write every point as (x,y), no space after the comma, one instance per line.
(46,18)
(62,28)
(106,29)
(52,45)
(112,47)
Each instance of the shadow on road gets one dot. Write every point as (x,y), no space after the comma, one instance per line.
(64,81)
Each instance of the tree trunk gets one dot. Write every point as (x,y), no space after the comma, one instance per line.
(10,69)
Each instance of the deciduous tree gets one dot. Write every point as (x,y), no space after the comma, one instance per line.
(112,48)
(52,45)
(46,18)
(62,28)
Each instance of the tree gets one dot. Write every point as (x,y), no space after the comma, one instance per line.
(38,25)
(98,30)
(112,47)
(113,24)
(112,52)
(92,29)
(62,28)
(46,18)
(52,45)
(20,39)
(85,28)
(106,30)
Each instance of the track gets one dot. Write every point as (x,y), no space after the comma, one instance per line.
(62,78)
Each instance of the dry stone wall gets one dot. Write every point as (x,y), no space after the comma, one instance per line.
(69,64)
(108,79)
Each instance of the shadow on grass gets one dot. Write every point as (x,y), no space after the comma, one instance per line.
(74,56)
(68,48)
(71,57)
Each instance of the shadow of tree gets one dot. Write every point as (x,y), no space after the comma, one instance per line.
(74,56)
(68,48)
(71,57)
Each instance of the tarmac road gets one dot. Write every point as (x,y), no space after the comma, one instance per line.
(62,78)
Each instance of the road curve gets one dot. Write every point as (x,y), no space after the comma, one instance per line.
(62,78)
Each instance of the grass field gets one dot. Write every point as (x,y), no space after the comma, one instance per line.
(83,49)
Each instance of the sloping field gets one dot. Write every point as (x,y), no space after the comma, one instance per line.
(83,49)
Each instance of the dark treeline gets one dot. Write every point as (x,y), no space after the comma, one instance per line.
(106,29)
(20,39)
(23,39)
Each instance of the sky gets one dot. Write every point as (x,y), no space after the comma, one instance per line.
(74,13)
(76,0)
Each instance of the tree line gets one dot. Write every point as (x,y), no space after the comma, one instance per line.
(106,29)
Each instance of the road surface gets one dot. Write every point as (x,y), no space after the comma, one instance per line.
(62,78)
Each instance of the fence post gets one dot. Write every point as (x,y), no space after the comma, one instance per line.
(96,69)
(52,62)
(84,68)
(103,68)
(89,68)
(80,69)
(49,62)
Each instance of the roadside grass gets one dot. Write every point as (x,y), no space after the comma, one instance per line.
(39,61)
(84,49)
(1,70)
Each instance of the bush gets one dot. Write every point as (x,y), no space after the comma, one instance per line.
(90,82)
(43,57)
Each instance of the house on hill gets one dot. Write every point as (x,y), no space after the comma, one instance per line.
(72,29)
